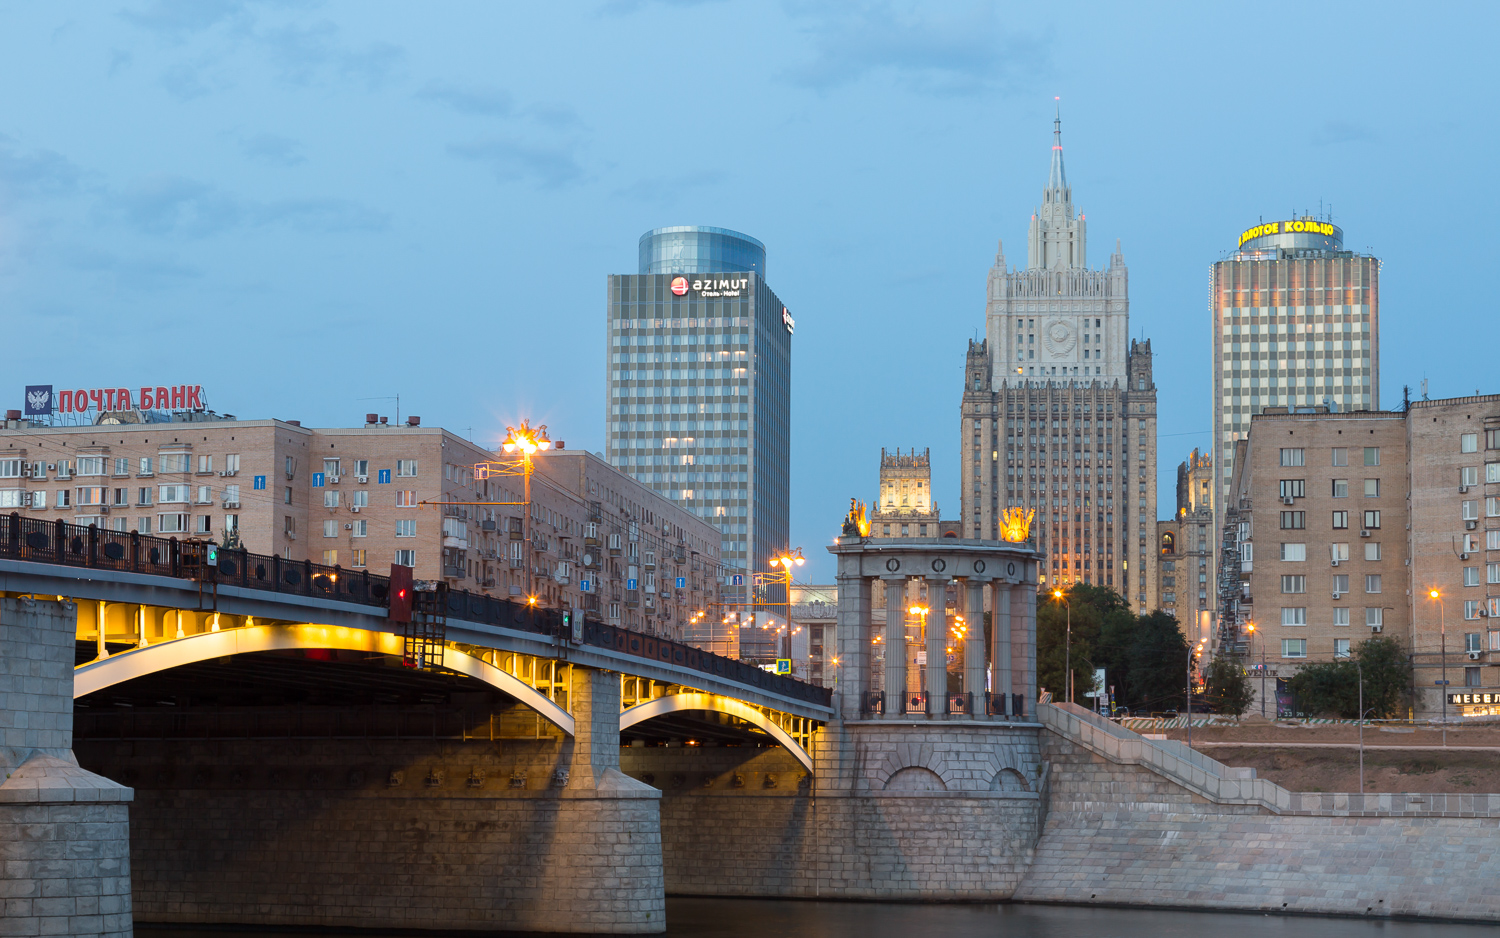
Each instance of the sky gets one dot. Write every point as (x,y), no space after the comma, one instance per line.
(310,208)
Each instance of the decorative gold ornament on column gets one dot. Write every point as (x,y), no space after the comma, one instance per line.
(855,524)
(1015,524)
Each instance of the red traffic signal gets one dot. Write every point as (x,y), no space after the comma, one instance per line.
(400,609)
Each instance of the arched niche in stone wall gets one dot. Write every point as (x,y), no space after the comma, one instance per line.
(915,778)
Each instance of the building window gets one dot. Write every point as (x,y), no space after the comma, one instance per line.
(1492,439)
(330,558)
(172,493)
(289,526)
(1372,582)
(330,465)
(1374,618)
(1372,488)
(406,467)
(1340,583)
(1340,520)
(90,465)
(1293,520)
(1293,488)
(1492,507)
(331,499)
(1468,442)
(1293,615)
(174,462)
(1471,677)
(231,524)
(1372,550)
(1339,550)
(359,499)
(143,525)
(1340,615)
(1294,648)
(1469,475)
(330,528)
(232,463)
(1293,457)
(205,464)
(406,558)
(1340,456)
(1471,576)
(406,498)
(361,528)
(286,496)
(1341,648)
(1340,488)
(1294,584)
(291,466)
(1372,520)
(1372,455)
(406,527)
(1471,609)
(357,558)
(205,525)
(172,523)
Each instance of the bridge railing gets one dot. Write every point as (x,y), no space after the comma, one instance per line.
(57,542)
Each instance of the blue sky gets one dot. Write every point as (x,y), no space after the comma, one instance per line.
(304,205)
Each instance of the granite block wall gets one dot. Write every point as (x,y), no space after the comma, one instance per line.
(1121,834)
(386,833)
(64,853)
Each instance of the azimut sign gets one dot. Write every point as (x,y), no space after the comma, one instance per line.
(710,287)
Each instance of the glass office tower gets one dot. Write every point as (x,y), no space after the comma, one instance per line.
(699,377)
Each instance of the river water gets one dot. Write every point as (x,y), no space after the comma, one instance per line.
(767,918)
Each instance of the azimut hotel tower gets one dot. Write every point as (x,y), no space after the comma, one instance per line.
(1059,408)
(699,378)
(1296,323)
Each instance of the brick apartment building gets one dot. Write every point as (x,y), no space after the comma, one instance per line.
(372,496)
(1346,521)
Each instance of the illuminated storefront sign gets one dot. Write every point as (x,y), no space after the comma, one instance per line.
(709,287)
(42,401)
(1462,699)
(1287,227)
(679,285)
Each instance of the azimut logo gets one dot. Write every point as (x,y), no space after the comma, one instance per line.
(787,320)
(679,285)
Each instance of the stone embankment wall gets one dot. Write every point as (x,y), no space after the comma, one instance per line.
(1177,829)
(901,811)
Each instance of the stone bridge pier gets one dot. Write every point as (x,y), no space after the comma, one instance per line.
(64,831)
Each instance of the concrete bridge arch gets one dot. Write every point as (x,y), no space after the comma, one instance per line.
(150,659)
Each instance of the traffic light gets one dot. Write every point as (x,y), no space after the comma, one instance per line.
(400,609)
(213,555)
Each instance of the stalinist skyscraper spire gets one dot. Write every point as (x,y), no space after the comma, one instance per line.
(1057,236)
(1059,407)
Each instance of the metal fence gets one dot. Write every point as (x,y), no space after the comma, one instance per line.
(57,542)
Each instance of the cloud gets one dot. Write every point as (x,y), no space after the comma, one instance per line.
(551,166)
(178,19)
(174,206)
(480,102)
(1339,131)
(302,53)
(627,7)
(143,273)
(668,188)
(964,52)
(34,174)
(273,149)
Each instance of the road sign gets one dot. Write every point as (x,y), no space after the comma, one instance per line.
(630,584)
(586,586)
(737,579)
(317,480)
(783,666)
(682,582)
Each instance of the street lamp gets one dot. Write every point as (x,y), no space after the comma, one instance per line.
(526,440)
(1250,627)
(1067,645)
(786,561)
(1443,633)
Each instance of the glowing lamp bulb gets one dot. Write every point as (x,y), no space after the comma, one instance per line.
(1433,594)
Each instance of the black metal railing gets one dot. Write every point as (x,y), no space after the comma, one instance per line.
(872,701)
(996,705)
(57,542)
(915,701)
(960,703)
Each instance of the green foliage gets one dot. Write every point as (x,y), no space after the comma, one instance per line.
(1229,689)
(1333,686)
(1144,657)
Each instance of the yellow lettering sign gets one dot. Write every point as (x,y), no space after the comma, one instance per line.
(1285,227)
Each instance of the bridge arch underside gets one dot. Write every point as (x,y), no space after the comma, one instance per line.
(294,681)
(699,719)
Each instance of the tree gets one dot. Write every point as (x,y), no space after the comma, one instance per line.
(1157,663)
(1333,686)
(1228,686)
(1053,647)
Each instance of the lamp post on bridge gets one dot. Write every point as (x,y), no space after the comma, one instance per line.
(1057,594)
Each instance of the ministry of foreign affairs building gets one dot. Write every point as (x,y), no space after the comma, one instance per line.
(1059,409)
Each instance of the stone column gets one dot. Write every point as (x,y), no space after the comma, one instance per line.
(937,643)
(974,663)
(895,645)
(1025,665)
(64,831)
(852,640)
(1002,678)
